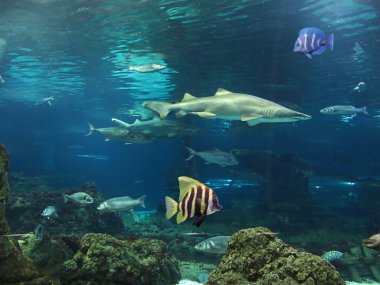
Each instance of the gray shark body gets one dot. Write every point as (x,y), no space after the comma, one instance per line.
(120,134)
(229,106)
(157,128)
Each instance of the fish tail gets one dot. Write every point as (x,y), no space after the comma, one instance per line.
(330,42)
(162,108)
(171,207)
(91,129)
(142,201)
(364,110)
(192,153)
(65,198)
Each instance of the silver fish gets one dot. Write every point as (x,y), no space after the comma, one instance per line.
(46,100)
(49,212)
(147,67)
(229,106)
(343,110)
(121,204)
(216,244)
(214,156)
(79,197)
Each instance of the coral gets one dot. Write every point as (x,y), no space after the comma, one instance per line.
(103,259)
(257,256)
(15,268)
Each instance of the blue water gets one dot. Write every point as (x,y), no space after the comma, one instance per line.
(80,52)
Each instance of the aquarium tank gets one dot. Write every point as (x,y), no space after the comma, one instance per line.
(165,142)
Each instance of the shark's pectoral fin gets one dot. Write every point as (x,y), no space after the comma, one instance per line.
(180,114)
(253,122)
(245,118)
(251,119)
(49,103)
(206,115)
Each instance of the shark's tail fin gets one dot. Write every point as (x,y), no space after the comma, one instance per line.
(192,153)
(162,108)
(142,201)
(91,129)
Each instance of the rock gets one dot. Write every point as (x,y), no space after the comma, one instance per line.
(24,210)
(257,256)
(103,259)
(15,268)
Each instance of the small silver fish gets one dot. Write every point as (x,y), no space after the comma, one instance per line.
(79,197)
(46,100)
(361,87)
(340,110)
(49,212)
(216,245)
(125,203)
(147,67)
(332,255)
(214,156)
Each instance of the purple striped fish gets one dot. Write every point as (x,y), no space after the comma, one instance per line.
(195,200)
(313,41)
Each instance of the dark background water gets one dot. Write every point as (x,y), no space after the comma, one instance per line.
(79,52)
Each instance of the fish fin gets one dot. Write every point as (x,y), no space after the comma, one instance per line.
(137,121)
(91,129)
(120,123)
(56,215)
(204,114)
(180,218)
(253,122)
(308,55)
(192,153)
(245,118)
(199,221)
(330,42)
(321,50)
(221,91)
(364,109)
(162,108)
(188,97)
(107,140)
(49,103)
(65,198)
(142,200)
(180,114)
(171,207)
(185,184)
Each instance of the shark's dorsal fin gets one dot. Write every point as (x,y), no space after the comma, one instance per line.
(185,184)
(221,91)
(137,121)
(188,97)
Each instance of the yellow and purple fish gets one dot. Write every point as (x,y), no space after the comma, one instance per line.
(313,41)
(195,200)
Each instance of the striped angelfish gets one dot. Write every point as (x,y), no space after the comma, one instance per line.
(195,200)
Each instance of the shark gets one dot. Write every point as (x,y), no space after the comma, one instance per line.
(228,105)
(120,133)
(157,128)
